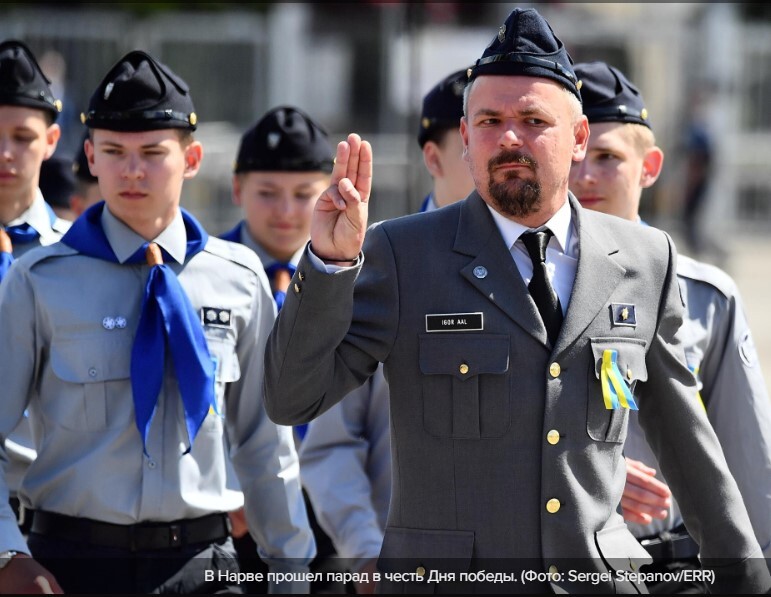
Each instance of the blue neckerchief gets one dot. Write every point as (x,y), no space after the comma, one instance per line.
(233,235)
(279,295)
(426,203)
(21,234)
(167,319)
(6,259)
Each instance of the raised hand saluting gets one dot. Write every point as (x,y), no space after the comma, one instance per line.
(340,217)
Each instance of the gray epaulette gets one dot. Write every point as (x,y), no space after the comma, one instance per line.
(706,273)
(234,252)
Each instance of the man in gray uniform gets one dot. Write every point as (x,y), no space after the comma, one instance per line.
(136,344)
(622,160)
(29,133)
(507,425)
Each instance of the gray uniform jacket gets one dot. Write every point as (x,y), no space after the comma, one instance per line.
(71,371)
(345,467)
(477,475)
(719,350)
(18,444)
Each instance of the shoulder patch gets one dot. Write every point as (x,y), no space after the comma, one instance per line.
(747,350)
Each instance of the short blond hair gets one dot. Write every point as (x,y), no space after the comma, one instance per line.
(640,136)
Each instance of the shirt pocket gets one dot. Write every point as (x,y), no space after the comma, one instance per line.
(91,383)
(610,425)
(465,391)
(222,349)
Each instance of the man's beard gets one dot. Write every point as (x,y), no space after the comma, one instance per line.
(514,196)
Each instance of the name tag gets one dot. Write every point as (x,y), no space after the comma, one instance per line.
(455,322)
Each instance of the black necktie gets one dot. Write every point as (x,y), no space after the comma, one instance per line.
(540,288)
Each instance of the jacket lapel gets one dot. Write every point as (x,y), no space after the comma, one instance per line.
(597,276)
(492,270)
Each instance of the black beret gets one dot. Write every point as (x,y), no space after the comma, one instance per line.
(80,164)
(22,83)
(609,96)
(442,106)
(57,181)
(526,45)
(140,94)
(285,139)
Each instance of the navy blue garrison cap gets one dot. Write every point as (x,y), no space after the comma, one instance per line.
(526,45)
(285,140)
(80,165)
(57,181)
(22,83)
(442,107)
(140,94)
(609,96)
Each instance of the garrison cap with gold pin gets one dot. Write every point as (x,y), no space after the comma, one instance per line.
(140,94)
(285,139)
(609,96)
(442,107)
(526,45)
(22,83)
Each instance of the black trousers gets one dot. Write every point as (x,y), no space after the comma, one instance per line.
(193,569)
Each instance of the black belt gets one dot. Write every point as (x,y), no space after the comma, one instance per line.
(133,537)
(671,545)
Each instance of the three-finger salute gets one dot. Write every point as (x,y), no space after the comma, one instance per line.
(340,217)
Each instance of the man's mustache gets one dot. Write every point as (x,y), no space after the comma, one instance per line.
(515,157)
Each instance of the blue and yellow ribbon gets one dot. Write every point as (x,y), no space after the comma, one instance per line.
(695,370)
(615,392)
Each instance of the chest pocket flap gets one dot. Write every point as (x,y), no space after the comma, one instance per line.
(464,356)
(92,359)
(631,356)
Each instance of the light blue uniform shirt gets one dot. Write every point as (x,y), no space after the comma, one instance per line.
(72,373)
(719,349)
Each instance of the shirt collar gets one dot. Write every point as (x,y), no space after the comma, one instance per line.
(125,242)
(559,224)
(267,260)
(36,215)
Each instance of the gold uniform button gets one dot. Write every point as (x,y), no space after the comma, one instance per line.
(301,276)
(553,570)
(553,506)
(553,437)
(463,369)
(555,369)
(629,374)
(297,288)
(420,571)
(632,564)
